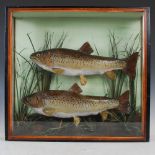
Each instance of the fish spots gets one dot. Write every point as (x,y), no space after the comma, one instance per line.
(69,103)
(74,62)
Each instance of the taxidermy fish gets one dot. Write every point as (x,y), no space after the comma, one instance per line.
(80,62)
(71,104)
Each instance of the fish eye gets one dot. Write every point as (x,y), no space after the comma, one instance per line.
(38,55)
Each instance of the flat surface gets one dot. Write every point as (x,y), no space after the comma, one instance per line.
(30,148)
(69,148)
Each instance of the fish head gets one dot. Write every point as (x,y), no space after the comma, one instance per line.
(42,58)
(33,101)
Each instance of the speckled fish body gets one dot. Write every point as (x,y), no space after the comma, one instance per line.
(74,62)
(65,104)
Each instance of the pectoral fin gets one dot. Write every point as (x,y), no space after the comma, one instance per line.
(76,121)
(104,115)
(111,75)
(58,70)
(49,111)
(83,80)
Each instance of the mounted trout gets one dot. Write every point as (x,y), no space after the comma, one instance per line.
(80,62)
(67,104)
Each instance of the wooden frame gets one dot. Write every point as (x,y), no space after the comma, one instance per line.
(145,76)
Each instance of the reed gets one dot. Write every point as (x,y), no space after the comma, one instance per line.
(114,87)
(130,49)
(32,78)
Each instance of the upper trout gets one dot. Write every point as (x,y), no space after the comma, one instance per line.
(66,104)
(80,62)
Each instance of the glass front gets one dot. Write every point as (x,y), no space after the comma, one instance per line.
(113,67)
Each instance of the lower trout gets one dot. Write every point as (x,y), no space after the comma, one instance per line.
(67,104)
(80,62)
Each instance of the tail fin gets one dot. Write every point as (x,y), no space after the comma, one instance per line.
(124,102)
(130,68)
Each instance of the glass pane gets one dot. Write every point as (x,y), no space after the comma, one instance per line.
(114,35)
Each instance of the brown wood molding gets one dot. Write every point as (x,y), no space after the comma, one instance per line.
(78,138)
(77,9)
(10,72)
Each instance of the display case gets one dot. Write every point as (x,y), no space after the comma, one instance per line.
(77,74)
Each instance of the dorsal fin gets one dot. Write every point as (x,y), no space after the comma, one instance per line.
(75,88)
(86,48)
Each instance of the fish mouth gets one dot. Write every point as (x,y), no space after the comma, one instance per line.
(32,57)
